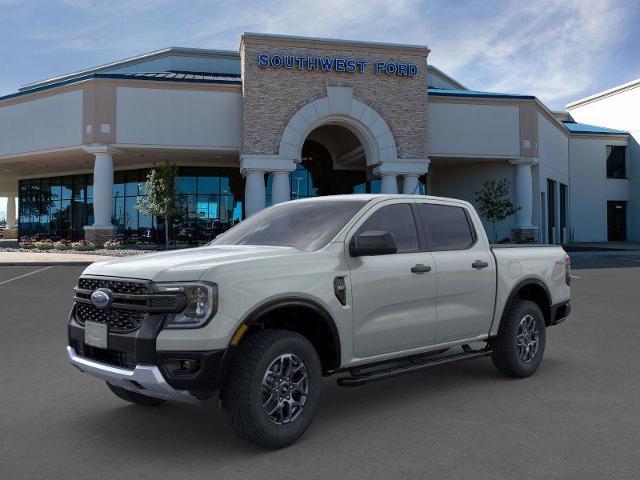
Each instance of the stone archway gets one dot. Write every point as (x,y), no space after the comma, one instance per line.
(340,108)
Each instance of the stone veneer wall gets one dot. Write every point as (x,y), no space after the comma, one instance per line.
(271,96)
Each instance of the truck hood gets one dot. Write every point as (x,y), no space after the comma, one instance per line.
(183,265)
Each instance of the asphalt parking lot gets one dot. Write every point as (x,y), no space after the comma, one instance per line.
(578,417)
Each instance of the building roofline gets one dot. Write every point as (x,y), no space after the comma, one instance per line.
(588,129)
(417,49)
(448,78)
(605,93)
(445,92)
(133,61)
(117,76)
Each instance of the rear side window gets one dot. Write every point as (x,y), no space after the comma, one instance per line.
(447,226)
(397,219)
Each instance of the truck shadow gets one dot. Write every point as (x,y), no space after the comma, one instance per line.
(196,430)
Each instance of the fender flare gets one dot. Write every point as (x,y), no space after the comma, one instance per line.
(519,286)
(273,305)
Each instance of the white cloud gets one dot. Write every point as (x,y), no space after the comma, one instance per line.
(550,48)
(547,48)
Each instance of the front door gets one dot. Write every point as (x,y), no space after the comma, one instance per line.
(394,307)
(617,221)
(466,272)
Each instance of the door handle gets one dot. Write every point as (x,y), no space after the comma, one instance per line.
(479,264)
(420,268)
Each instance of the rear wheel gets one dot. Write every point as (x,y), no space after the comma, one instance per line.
(272,391)
(134,397)
(519,346)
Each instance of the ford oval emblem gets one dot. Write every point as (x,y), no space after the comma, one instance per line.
(102,298)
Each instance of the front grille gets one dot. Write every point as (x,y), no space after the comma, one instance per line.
(116,286)
(110,357)
(132,301)
(119,321)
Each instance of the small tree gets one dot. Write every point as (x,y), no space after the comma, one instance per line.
(494,203)
(161,198)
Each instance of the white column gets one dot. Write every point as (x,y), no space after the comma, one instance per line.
(280,188)
(254,191)
(524,192)
(389,183)
(11,211)
(411,184)
(103,189)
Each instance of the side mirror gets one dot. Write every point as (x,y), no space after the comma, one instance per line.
(372,242)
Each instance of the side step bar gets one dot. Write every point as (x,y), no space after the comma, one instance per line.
(358,379)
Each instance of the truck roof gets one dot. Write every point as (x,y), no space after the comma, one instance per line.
(367,197)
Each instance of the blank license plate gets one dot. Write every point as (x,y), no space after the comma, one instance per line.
(95,334)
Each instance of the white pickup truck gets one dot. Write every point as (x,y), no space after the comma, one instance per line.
(364,286)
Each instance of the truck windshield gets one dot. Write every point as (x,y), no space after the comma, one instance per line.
(303,225)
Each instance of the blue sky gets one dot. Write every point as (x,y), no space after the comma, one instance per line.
(557,50)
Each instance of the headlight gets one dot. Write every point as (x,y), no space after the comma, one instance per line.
(201,303)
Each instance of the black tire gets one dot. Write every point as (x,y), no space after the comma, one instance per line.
(510,358)
(134,397)
(243,393)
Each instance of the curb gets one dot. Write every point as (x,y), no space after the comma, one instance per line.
(46,264)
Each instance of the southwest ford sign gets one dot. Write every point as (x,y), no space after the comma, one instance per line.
(334,64)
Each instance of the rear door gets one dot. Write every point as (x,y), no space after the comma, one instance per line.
(465,268)
(394,307)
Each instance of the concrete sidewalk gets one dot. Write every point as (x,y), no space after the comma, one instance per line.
(36,259)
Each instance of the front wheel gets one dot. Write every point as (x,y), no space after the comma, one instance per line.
(519,346)
(272,391)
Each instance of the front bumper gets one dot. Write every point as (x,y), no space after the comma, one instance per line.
(143,379)
(132,361)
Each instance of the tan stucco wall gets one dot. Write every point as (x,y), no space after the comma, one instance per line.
(271,96)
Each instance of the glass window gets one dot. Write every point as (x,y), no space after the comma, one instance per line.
(616,165)
(398,220)
(207,185)
(67,188)
(131,214)
(131,184)
(79,188)
(118,184)
(118,213)
(305,226)
(447,226)
(186,184)
(90,186)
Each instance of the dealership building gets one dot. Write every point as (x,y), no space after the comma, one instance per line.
(289,117)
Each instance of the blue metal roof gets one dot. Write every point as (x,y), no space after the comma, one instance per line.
(444,92)
(188,77)
(575,127)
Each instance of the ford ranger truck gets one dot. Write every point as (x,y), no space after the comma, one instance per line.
(366,287)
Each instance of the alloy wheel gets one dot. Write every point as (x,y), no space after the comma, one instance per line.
(285,387)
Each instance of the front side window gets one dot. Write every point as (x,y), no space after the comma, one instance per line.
(303,225)
(398,220)
(616,164)
(448,226)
